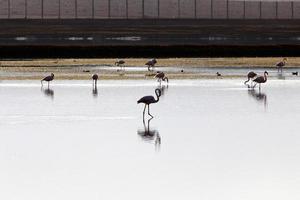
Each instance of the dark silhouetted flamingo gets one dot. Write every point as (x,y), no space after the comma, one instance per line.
(120,63)
(151,63)
(95,79)
(281,64)
(48,79)
(250,76)
(261,79)
(147,100)
(161,77)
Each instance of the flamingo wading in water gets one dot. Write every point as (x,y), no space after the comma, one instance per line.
(261,79)
(120,63)
(95,79)
(250,76)
(147,100)
(151,63)
(281,64)
(161,77)
(48,79)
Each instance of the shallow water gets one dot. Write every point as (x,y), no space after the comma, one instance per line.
(209,139)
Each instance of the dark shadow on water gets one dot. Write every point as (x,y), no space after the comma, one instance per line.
(150,135)
(48,92)
(259,96)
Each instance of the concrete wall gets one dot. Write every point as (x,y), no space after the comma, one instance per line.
(153,9)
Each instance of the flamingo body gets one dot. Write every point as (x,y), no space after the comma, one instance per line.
(250,75)
(48,79)
(147,100)
(261,79)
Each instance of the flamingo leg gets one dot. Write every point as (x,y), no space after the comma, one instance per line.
(144,110)
(149,111)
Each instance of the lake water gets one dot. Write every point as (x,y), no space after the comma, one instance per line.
(209,139)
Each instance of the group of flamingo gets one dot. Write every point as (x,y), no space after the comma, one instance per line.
(150,64)
(147,100)
(263,79)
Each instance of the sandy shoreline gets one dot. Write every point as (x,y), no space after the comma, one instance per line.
(83,68)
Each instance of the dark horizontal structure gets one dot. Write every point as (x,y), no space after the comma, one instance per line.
(148,37)
(153,9)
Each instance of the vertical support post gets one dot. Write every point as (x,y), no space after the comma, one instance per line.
(244,16)
(8,9)
(276,10)
(293,10)
(158,13)
(143,5)
(93,9)
(126,9)
(25,9)
(227,9)
(76,9)
(42,11)
(260,14)
(211,9)
(59,2)
(178,9)
(195,9)
(109,9)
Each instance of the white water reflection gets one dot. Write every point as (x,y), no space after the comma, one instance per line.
(218,141)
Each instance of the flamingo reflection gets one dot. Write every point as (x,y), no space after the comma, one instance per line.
(259,96)
(150,135)
(48,92)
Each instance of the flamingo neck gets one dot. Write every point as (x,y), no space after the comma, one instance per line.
(265,76)
(157,96)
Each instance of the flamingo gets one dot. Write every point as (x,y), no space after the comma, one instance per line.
(261,79)
(250,75)
(281,64)
(151,63)
(120,63)
(95,79)
(147,100)
(161,77)
(48,79)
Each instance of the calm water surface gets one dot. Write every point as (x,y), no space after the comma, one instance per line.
(209,139)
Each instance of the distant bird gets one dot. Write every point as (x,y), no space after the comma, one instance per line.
(261,79)
(295,73)
(181,71)
(147,100)
(218,74)
(86,70)
(48,79)
(151,63)
(120,63)
(250,76)
(281,64)
(161,77)
(95,79)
